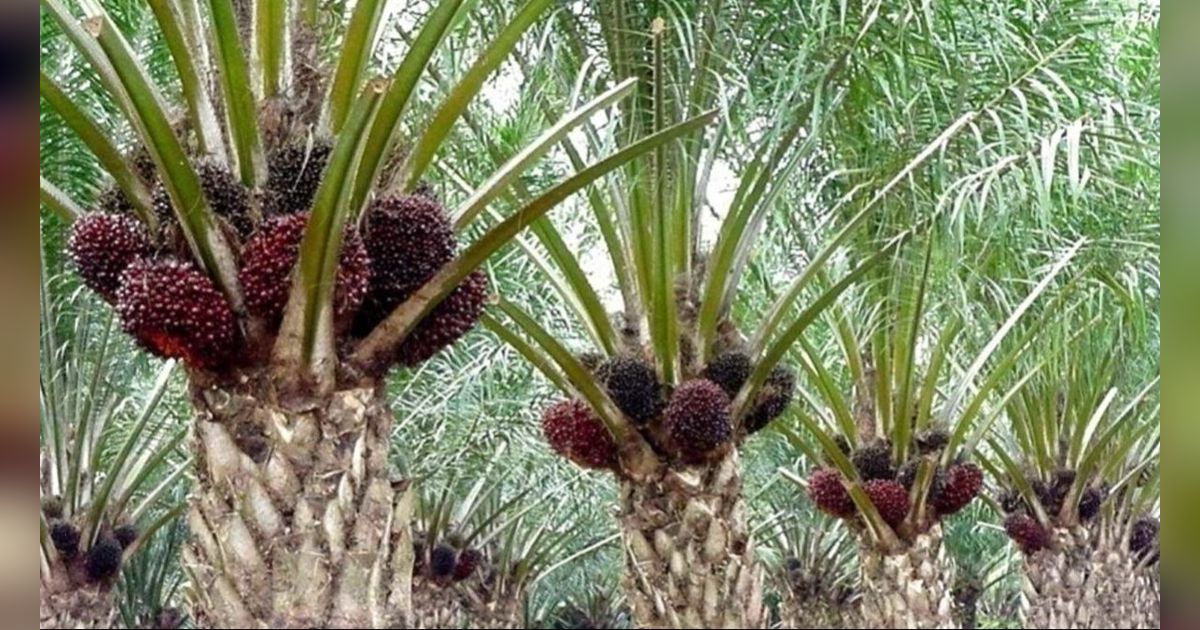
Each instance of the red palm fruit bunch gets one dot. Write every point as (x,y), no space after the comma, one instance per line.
(692,423)
(576,433)
(175,310)
(891,489)
(270,254)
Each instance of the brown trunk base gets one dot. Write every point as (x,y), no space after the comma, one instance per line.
(66,603)
(436,607)
(1078,584)
(910,589)
(689,560)
(295,522)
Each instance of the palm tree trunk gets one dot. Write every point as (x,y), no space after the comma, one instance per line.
(74,603)
(436,606)
(503,610)
(909,589)
(799,611)
(1126,592)
(1056,591)
(295,522)
(689,560)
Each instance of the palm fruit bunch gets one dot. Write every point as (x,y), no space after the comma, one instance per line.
(442,561)
(1052,493)
(697,420)
(101,561)
(891,488)
(827,490)
(409,238)
(1029,534)
(293,176)
(730,370)
(468,561)
(229,199)
(270,254)
(174,310)
(633,386)
(576,433)
(692,422)
(102,245)
(1143,540)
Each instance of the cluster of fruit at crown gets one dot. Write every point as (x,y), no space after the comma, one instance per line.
(1031,535)
(446,562)
(891,488)
(175,310)
(101,561)
(690,423)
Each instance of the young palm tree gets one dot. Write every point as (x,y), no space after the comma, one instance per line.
(816,576)
(270,230)
(480,546)
(1079,474)
(109,461)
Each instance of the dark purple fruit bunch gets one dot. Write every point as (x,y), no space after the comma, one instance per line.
(907,474)
(1027,532)
(65,538)
(574,432)
(729,370)
(828,492)
(874,461)
(1143,539)
(442,560)
(697,419)
(226,196)
(269,256)
(1090,502)
(102,245)
(448,322)
(772,400)
(633,386)
(293,176)
(961,485)
(931,441)
(103,560)
(409,238)
(112,200)
(468,561)
(173,310)
(889,498)
(125,535)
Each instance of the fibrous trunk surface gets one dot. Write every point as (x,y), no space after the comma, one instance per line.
(496,611)
(72,603)
(460,606)
(801,611)
(910,588)
(435,606)
(294,519)
(1076,584)
(689,560)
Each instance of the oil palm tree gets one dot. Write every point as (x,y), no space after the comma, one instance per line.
(481,542)
(109,460)
(815,576)
(896,430)
(664,392)
(267,226)
(1079,478)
